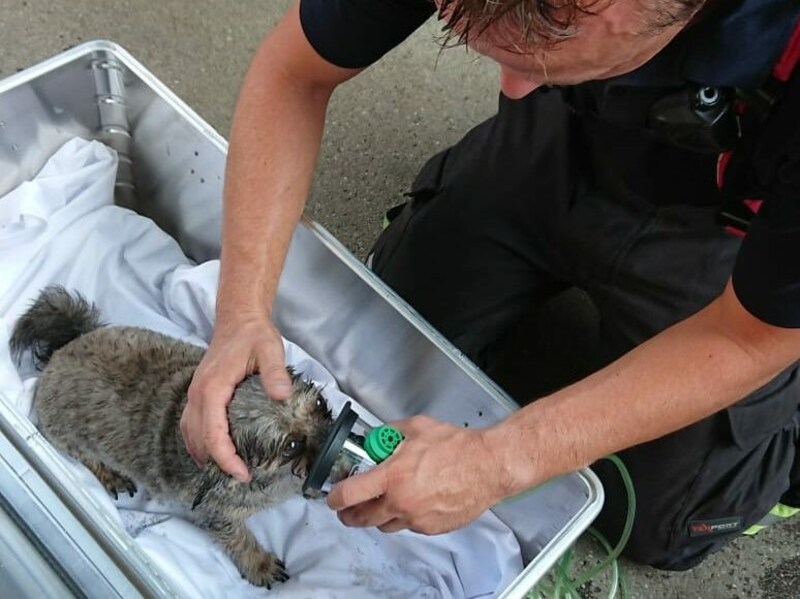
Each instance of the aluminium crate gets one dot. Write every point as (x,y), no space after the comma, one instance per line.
(378,348)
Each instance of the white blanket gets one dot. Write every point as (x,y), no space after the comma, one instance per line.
(62,228)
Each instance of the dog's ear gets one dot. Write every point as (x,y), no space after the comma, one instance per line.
(211,477)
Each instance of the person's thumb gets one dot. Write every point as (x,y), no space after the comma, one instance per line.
(276,380)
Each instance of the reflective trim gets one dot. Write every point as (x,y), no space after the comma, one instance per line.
(784,511)
(776,514)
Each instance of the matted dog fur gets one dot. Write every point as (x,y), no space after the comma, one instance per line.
(112,397)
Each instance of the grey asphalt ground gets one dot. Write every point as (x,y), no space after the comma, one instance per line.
(381,128)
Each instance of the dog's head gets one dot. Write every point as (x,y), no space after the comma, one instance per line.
(276,438)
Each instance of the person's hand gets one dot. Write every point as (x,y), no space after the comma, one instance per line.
(439,478)
(238,348)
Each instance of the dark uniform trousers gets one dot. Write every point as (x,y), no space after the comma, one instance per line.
(508,217)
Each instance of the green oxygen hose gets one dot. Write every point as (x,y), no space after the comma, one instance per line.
(564,585)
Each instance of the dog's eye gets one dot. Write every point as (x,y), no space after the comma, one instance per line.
(320,402)
(293,447)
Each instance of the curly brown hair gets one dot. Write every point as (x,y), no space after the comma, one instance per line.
(546,21)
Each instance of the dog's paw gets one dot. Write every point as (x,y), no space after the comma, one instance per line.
(313,494)
(114,482)
(265,570)
(119,484)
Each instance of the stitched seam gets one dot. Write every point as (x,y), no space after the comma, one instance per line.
(625,248)
(674,529)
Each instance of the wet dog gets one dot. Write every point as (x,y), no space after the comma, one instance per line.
(112,397)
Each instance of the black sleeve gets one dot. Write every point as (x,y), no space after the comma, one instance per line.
(356,33)
(766,277)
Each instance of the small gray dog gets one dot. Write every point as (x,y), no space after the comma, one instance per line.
(112,397)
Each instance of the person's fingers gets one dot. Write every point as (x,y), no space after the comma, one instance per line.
(375,512)
(393,525)
(189,415)
(358,489)
(217,441)
(412,426)
(202,391)
(223,452)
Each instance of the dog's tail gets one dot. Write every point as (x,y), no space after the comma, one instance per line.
(53,320)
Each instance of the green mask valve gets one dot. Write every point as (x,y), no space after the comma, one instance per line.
(381,442)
